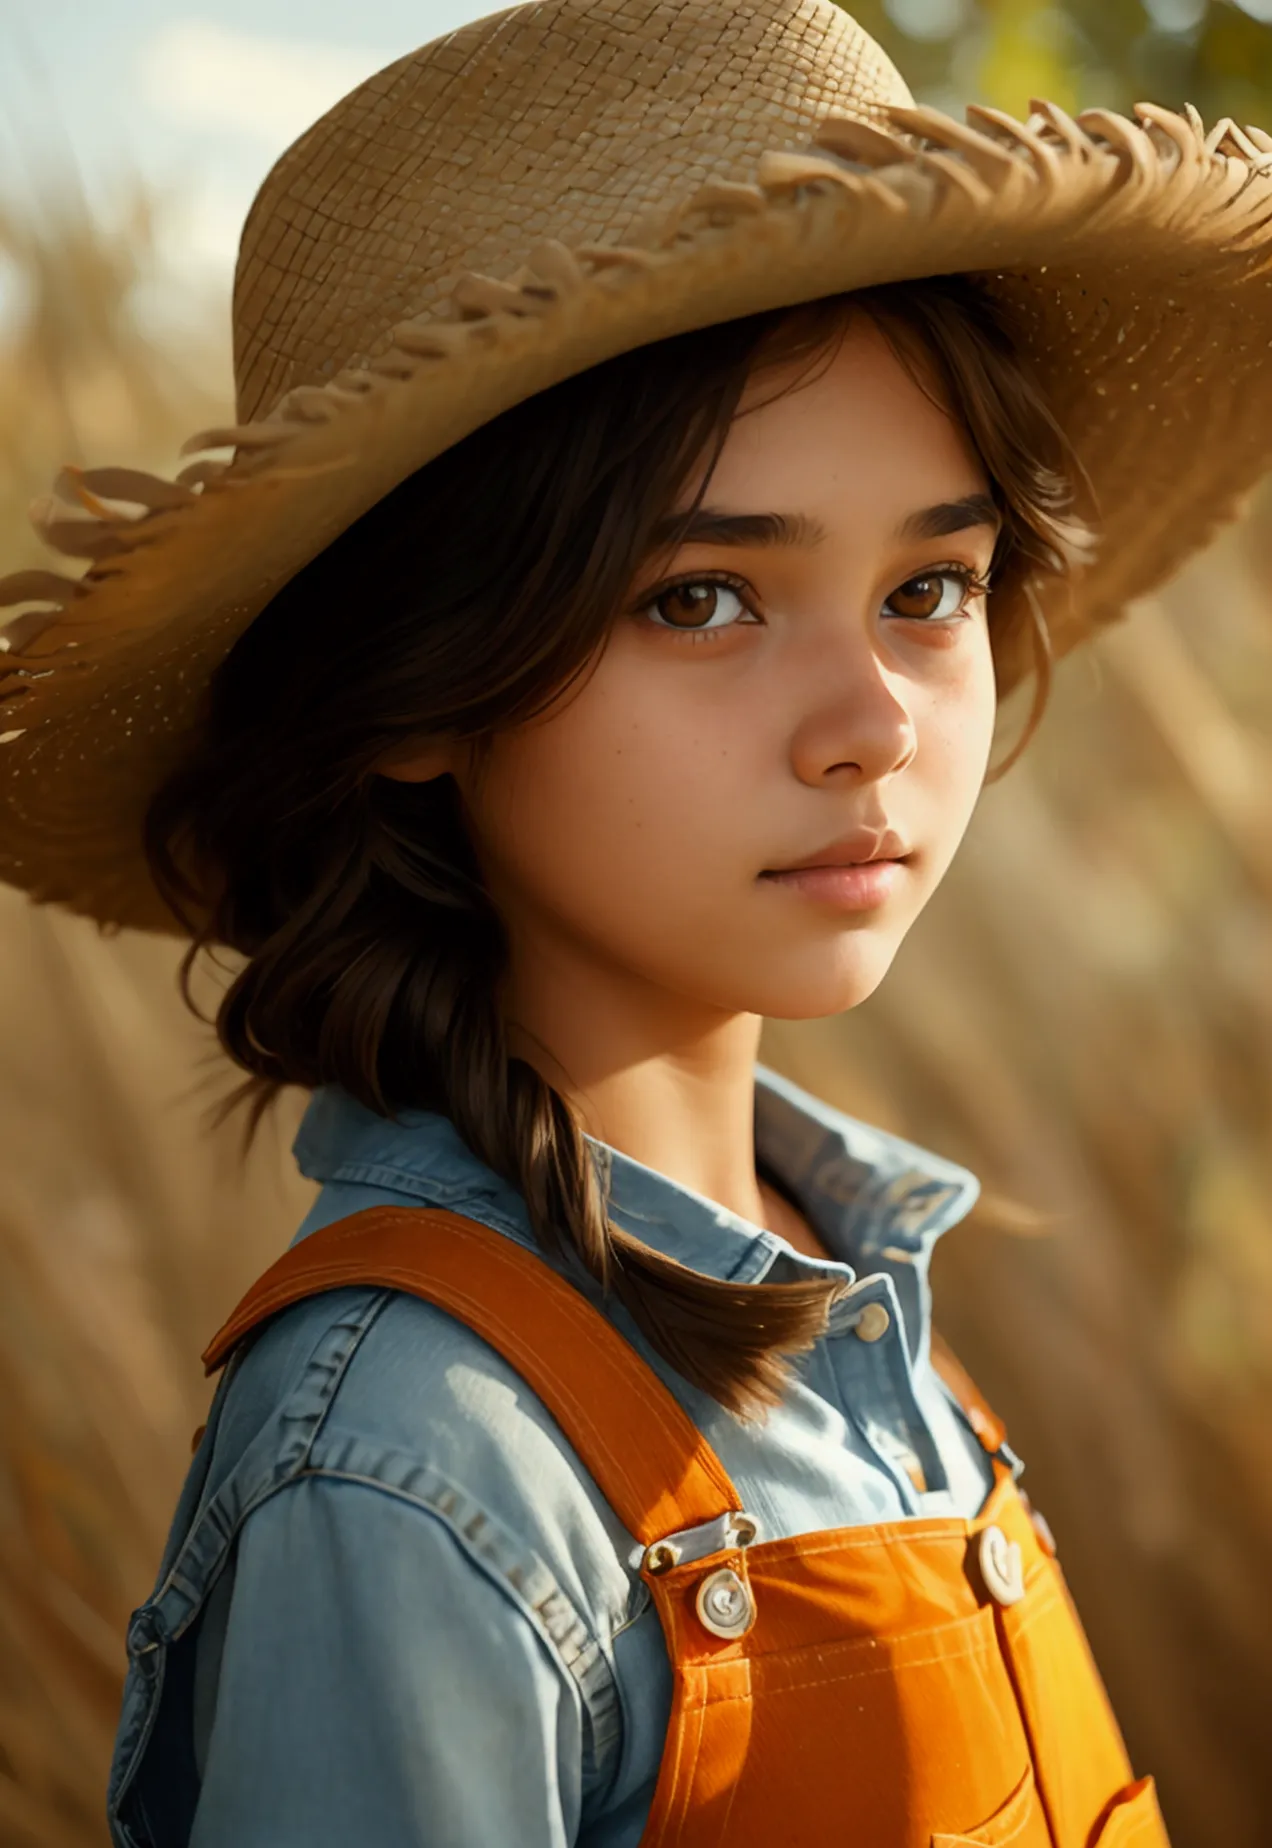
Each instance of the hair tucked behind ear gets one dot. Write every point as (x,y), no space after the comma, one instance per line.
(461,604)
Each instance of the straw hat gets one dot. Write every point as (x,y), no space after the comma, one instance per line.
(557,184)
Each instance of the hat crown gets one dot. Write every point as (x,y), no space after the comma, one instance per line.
(575,119)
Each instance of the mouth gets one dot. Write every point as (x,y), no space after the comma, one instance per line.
(851,885)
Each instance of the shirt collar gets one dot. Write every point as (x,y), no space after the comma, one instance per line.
(878,1201)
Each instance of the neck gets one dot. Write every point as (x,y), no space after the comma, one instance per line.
(667,1082)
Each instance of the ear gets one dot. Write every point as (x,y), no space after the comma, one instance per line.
(420,760)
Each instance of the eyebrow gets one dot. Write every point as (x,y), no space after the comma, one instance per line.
(715,526)
(957,516)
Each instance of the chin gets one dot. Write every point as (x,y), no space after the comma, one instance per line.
(819,983)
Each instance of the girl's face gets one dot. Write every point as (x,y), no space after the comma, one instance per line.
(807,682)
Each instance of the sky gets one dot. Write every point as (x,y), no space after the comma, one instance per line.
(197,103)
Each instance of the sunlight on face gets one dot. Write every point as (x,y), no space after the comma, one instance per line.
(812,689)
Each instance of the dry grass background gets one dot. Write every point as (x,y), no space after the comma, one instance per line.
(1084,1016)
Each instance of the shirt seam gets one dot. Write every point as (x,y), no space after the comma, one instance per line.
(286,1450)
(428,1189)
(277,1453)
(483,1538)
(516,1571)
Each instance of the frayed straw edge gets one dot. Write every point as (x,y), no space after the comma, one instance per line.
(922,158)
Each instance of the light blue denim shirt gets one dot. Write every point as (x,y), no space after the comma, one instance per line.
(394,1609)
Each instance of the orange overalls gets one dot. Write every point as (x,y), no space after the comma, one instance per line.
(915,1684)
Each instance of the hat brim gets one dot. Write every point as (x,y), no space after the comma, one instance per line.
(1132,258)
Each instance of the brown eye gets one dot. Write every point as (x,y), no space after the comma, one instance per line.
(703,604)
(931,596)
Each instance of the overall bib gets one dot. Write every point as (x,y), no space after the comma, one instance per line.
(913,1684)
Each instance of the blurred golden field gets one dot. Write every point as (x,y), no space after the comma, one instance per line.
(1084,1017)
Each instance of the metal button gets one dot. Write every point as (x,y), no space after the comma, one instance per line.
(1001,1566)
(873,1321)
(661,1557)
(743,1528)
(725,1604)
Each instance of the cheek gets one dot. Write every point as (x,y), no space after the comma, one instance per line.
(955,736)
(960,722)
(979,712)
(613,815)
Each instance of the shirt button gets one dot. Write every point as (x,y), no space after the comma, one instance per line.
(873,1321)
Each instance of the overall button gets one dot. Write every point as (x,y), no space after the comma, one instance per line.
(1001,1566)
(873,1321)
(725,1604)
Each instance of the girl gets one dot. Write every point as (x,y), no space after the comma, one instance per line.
(545,692)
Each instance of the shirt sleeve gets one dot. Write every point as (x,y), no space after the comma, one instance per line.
(363,1679)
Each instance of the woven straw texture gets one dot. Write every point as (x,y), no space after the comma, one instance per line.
(563,182)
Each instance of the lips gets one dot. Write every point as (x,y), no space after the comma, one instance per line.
(852,886)
(858,849)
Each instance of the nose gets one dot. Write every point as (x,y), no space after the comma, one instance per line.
(855,723)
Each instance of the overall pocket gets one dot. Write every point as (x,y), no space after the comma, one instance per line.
(1133,1819)
(1019,1822)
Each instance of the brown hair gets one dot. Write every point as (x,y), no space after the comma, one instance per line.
(462,603)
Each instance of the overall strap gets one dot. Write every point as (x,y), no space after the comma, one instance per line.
(648,1458)
(985,1422)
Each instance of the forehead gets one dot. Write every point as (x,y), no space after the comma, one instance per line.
(850,426)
